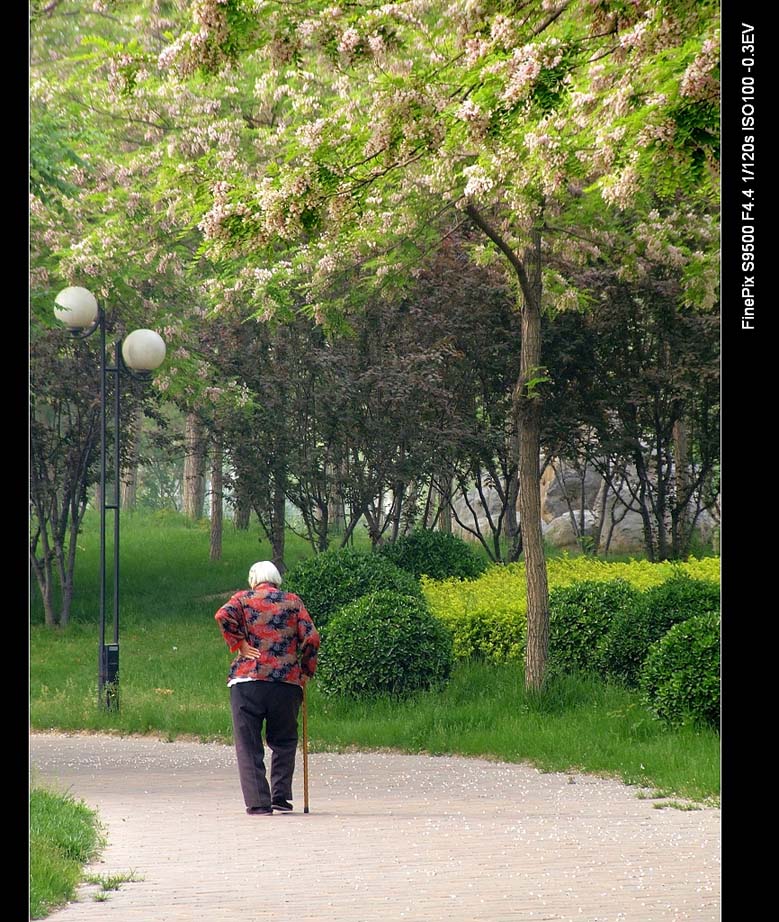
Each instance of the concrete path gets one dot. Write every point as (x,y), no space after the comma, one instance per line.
(389,837)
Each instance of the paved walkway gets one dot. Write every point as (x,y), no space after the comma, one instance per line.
(389,837)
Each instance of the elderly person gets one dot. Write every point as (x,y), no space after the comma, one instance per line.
(277,645)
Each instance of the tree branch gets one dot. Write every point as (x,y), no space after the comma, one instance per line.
(501,244)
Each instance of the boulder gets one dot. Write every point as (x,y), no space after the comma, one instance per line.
(558,491)
(628,534)
(560,532)
(494,505)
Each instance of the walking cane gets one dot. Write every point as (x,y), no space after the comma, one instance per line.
(305,752)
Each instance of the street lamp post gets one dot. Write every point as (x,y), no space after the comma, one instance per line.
(138,355)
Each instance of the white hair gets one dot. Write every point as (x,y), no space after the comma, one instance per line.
(263,572)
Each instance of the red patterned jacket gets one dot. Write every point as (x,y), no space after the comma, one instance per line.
(278,625)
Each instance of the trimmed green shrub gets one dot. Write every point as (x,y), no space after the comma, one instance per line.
(633,632)
(500,637)
(331,580)
(680,678)
(579,618)
(384,643)
(434,554)
(488,615)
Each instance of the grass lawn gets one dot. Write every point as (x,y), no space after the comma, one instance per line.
(64,836)
(173,666)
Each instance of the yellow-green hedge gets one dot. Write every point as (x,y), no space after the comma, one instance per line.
(487,616)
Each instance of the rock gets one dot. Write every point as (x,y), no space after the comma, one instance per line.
(628,534)
(555,489)
(560,532)
(494,505)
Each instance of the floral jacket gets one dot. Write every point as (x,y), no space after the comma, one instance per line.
(278,625)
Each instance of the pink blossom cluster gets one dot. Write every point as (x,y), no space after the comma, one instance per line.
(526,64)
(41,91)
(622,190)
(698,81)
(310,133)
(503,32)
(349,41)
(376,44)
(327,264)
(307,29)
(170,261)
(477,181)
(213,223)
(203,48)
(477,120)
(475,49)
(606,143)
(133,203)
(36,207)
(581,100)
(619,102)
(661,133)
(118,73)
(39,277)
(633,37)
(566,300)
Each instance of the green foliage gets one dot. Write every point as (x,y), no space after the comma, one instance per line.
(434,554)
(329,581)
(579,618)
(50,153)
(63,837)
(680,679)
(633,631)
(385,643)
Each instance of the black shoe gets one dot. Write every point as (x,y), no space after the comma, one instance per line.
(283,806)
(254,811)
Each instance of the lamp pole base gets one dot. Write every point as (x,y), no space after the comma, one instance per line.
(108,692)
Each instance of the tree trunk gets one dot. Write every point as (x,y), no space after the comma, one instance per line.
(194,468)
(680,536)
(527,413)
(445,510)
(215,551)
(323,530)
(411,507)
(513,528)
(242,513)
(336,515)
(396,510)
(43,574)
(527,404)
(129,477)
(278,523)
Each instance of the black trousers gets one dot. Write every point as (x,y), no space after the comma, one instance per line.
(276,704)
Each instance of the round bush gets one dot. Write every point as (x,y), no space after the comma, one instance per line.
(633,632)
(434,554)
(384,643)
(579,618)
(331,580)
(680,678)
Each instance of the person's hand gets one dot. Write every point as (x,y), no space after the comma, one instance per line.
(248,651)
